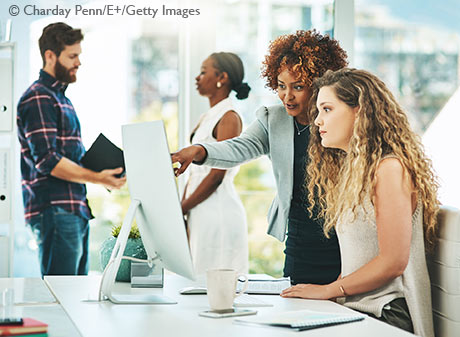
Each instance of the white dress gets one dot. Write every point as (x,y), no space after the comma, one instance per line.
(217,226)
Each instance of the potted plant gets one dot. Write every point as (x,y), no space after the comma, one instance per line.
(134,248)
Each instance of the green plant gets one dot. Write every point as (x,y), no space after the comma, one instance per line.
(133,234)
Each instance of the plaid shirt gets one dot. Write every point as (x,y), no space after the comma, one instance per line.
(48,129)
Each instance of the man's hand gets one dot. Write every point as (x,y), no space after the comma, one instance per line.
(185,157)
(108,180)
(70,171)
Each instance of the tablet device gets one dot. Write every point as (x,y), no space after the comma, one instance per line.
(102,155)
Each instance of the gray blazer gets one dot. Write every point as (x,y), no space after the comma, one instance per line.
(271,134)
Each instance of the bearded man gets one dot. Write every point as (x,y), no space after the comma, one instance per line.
(53,181)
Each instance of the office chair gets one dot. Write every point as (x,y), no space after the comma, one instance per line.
(444,269)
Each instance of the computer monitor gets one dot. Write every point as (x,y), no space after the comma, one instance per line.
(156,205)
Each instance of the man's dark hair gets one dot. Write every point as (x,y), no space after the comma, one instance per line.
(56,36)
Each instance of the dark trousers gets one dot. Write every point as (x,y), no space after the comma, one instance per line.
(397,315)
(63,242)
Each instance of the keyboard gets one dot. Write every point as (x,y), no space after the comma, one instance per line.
(246,300)
(266,286)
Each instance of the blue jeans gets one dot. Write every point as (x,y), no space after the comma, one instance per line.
(63,242)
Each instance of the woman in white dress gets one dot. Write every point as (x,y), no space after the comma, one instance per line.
(215,215)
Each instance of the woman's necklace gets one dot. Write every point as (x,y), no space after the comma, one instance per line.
(299,131)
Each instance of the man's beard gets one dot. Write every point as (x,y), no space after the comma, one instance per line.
(63,74)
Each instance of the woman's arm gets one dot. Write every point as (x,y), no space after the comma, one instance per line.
(393,211)
(252,143)
(228,127)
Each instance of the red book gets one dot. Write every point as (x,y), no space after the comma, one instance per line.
(28,326)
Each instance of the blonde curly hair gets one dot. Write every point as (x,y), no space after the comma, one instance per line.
(340,181)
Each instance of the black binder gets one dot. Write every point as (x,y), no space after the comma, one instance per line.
(103,154)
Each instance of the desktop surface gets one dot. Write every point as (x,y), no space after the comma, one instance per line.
(107,319)
(33,299)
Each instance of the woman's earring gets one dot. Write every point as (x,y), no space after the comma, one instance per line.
(219,85)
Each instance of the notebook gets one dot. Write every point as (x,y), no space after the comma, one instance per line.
(103,154)
(301,320)
(29,326)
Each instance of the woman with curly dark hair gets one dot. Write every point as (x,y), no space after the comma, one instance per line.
(282,132)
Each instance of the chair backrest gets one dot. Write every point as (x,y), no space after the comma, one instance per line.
(444,268)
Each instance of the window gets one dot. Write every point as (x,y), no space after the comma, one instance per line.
(133,65)
(415,48)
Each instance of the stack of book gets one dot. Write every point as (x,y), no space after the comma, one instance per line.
(28,327)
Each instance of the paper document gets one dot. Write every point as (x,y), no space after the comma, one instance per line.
(268,287)
(301,319)
(246,300)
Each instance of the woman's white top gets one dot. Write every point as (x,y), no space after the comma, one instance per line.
(359,245)
(217,226)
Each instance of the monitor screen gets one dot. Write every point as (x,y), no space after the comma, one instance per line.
(156,206)
(151,181)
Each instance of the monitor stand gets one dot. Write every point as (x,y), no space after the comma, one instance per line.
(110,271)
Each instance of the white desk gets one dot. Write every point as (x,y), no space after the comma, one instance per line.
(28,291)
(32,298)
(107,319)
